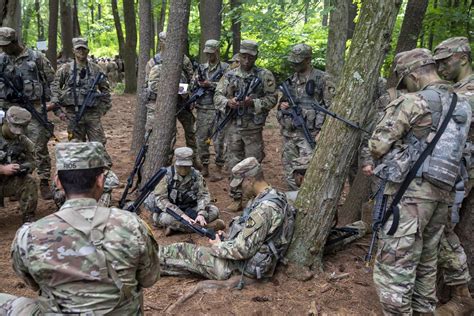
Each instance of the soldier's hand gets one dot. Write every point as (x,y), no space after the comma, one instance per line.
(188,219)
(233,103)
(62,117)
(204,84)
(200,220)
(10,170)
(368,170)
(284,105)
(248,102)
(217,240)
(51,106)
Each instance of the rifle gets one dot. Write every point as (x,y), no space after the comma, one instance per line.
(87,102)
(23,99)
(199,92)
(243,93)
(205,232)
(137,169)
(320,108)
(296,115)
(146,190)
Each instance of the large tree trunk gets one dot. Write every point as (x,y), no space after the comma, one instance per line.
(236,7)
(39,21)
(326,5)
(210,21)
(146,23)
(167,98)
(130,51)
(320,192)
(410,31)
(66,29)
(161,23)
(118,27)
(337,38)
(52,52)
(10,15)
(76,28)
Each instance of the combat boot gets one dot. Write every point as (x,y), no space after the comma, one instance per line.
(216,225)
(217,176)
(235,206)
(461,302)
(45,190)
(205,171)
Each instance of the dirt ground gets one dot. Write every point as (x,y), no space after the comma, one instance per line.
(353,294)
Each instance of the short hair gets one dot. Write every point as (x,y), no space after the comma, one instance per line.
(79,181)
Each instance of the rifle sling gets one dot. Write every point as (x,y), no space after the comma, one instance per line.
(393,208)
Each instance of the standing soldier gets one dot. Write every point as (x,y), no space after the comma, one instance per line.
(244,131)
(207,115)
(307,86)
(73,82)
(17,162)
(453,57)
(112,72)
(83,259)
(406,263)
(36,74)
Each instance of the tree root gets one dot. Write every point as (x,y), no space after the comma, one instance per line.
(209,285)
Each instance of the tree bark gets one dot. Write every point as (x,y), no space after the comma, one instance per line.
(130,51)
(236,7)
(337,38)
(52,52)
(118,26)
(39,21)
(76,28)
(350,21)
(409,32)
(167,98)
(146,22)
(320,192)
(66,29)
(326,5)
(10,15)
(161,23)
(210,21)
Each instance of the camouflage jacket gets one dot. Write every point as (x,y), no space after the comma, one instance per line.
(207,71)
(175,192)
(52,256)
(187,67)
(409,113)
(264,97)
(17,150)
(63,86)
(152,84)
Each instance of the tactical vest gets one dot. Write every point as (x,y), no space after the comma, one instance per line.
(185,196)
(7,69)
(84,81)
(208,98)
(313,119)
(12,152)
(274,248)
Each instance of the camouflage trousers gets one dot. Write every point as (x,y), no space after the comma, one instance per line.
(24,189)
(184,259)
(163,219)
(204,122)
(40,137)
(406,263)
(242,144)
(13,305)
(293,147)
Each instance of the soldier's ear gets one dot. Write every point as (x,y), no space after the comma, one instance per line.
(464,59)
(57,182)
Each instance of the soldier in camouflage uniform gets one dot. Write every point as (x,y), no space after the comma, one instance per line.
(184,191)
(234,61)
(294,143)
(246,249)
(244,131)
(95,260)
(406,263)
(17,162)
(453,57)
(206,111)
(37,75)
(69,88)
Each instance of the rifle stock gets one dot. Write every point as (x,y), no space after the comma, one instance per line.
(146,190)
(205,232)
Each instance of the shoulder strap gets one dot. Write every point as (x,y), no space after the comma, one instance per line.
(393,208)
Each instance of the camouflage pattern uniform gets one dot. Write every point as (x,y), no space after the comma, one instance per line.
(453,260)
(406,263)
(294,143)
(185,195)
(206,111)
(90,127)
(112,72)
(37,75)
(244,132)
(18,149)
(85,258)
(224,258)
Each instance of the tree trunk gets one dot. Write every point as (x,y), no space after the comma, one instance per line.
(320,192)
(351,19)
(52,52)
(118,26)
(76,28)
(359,194)
(465,232)
(236,7)
(146,22)
(130,51)
(27,14)
(161,23)
(210,21)
(66,29)
(410,32)
(10,15)
(431,33)
(326,5)
(337,38)
(167,98)
(39,21)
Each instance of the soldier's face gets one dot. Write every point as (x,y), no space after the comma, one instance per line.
(248,189)
(183,171)
(211,57)
(411,82)
(449,68)
(8,49)
(247,61)
(81,53)
(302,66)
